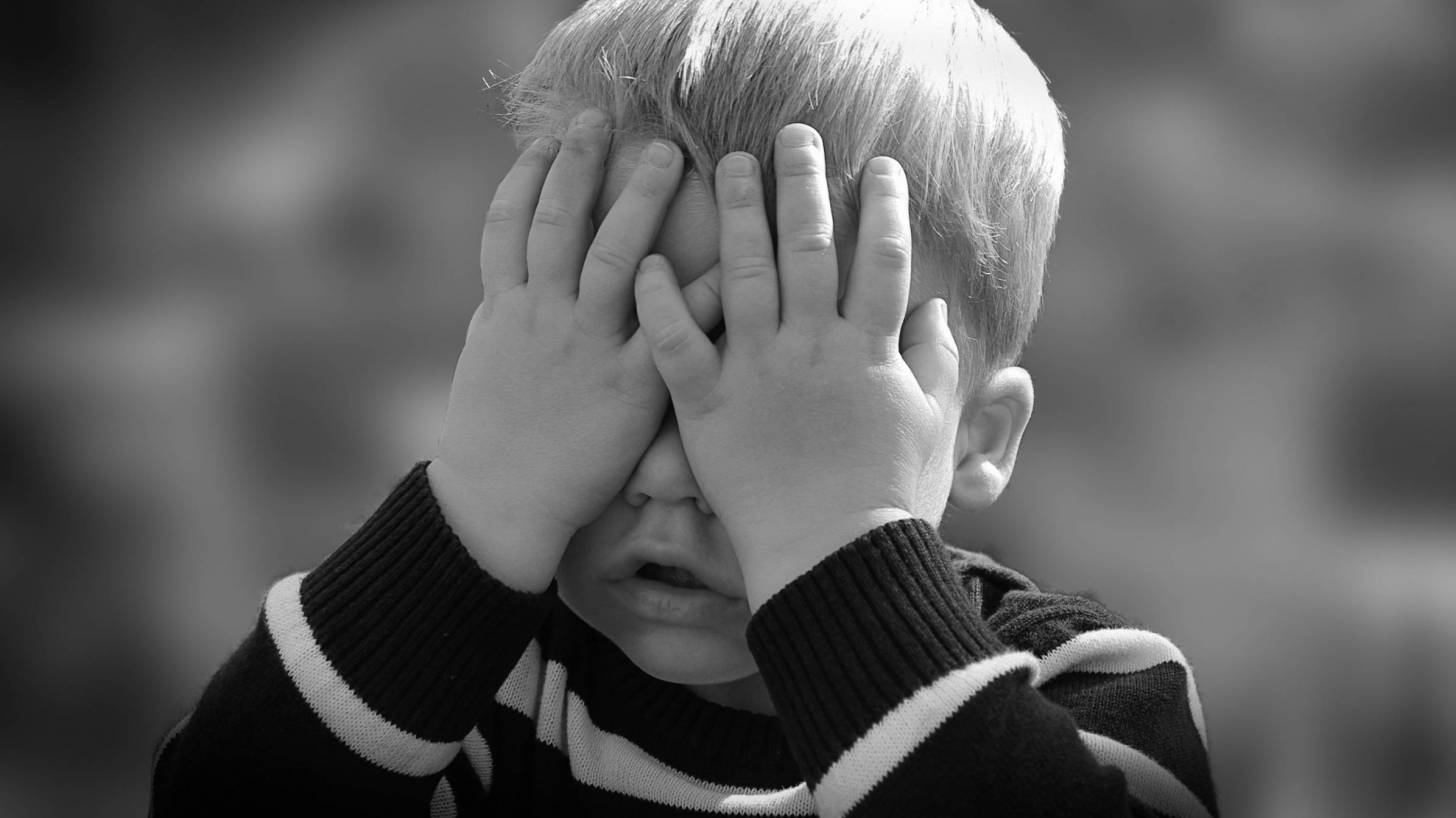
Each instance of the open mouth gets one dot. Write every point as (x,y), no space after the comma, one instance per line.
(670,575)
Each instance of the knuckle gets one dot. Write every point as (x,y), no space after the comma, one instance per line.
(674,337)
(749,268)
(553,214)
(813,240)
(610,256)
(893,250)
(501,212)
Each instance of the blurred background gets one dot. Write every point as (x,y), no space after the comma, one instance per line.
(239,253)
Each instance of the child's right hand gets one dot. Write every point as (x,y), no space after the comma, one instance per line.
(556,396)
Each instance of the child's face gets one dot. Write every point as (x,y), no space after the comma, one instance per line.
(661,515)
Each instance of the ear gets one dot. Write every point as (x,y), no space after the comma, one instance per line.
(988,436)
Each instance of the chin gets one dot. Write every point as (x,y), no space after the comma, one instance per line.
(686,656)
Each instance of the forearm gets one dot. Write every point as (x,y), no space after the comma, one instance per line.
(361,678)
(897,698)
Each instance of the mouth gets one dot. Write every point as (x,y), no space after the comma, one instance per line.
(675,581)
(673,596)
(671,565)
(670,575)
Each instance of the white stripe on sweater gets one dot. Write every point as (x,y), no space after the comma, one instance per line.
(1147,780)
(894,737)
(521,690)
(477,752)
(613,763)
(442,804)
(1121,650)
(348,717)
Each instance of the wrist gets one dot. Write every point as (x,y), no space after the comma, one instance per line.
(772,555)
(517,547)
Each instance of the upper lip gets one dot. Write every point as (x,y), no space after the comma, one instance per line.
(639,552)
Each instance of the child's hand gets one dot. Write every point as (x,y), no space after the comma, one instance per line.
(814,424)
(556,396)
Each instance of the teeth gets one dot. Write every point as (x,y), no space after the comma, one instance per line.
(679,577)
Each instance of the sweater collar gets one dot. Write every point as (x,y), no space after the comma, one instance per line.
(709,741)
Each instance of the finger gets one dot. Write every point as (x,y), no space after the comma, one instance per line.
(879,279)
(562,225)
(704,299)
(746,253)
(686,358)
(508,222)
(808,270)
(604,303)
(930,351)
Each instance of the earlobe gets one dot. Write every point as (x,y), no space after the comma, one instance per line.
(988,437)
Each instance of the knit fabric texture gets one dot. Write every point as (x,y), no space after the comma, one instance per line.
(909,678)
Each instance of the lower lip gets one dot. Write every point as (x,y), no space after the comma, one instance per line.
(679,606)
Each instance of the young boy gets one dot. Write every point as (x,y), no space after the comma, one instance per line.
(652,571)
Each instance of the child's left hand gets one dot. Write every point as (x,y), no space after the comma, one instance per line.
(815,423)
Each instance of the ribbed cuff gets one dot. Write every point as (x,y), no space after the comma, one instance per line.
(411,621)
(842,645)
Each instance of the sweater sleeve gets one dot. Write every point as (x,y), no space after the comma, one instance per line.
(360,681)
(898,698)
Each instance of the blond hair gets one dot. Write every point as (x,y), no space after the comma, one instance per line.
(937,84)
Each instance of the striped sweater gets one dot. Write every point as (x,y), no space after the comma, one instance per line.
(909,678)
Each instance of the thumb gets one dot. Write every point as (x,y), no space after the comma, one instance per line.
(929,349)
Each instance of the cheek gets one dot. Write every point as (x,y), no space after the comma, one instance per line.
(591,546)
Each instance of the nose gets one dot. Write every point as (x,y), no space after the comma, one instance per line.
(663,472)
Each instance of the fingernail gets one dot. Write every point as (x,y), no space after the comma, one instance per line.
(796,136)
(738,164)
(660,153)
(546,146)
(883,166)
(591,118)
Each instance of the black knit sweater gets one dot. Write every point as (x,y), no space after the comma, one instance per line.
(909,678)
